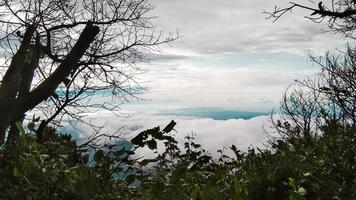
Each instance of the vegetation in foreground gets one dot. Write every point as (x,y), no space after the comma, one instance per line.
(293,168)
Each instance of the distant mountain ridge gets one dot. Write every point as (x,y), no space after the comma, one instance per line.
(213,113)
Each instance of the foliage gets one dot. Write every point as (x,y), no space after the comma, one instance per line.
(56,168)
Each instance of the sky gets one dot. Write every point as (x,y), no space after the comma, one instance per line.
(228,55)
(228,60)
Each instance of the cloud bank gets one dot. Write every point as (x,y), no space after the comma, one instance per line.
(212,134)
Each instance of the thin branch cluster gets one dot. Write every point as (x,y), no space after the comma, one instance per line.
(106,68)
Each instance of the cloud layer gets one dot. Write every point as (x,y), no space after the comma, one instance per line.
(210,26)
(229,55)
(212,134)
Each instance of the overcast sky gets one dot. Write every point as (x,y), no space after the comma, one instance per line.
(231,26)
(229,57)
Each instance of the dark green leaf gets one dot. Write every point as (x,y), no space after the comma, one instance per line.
(130,178)
(16,172)
(146,161)
(99,155)
(20,128)
(152,144)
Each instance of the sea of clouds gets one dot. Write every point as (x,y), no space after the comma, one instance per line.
(210,133)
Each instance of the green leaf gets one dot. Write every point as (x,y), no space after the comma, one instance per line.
(141,137)
(146,161)
(169,127)
(31,126)
(20,128)
(152,144)
(71,169)
(35,119)
(307,174)
(16,172)
(130,179)
(293,196)
(98,156)
(302,191)
(138,140)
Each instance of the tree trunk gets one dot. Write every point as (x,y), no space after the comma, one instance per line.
(11,81)
(34,52)
(13,108)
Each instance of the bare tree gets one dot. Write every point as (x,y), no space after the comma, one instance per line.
(59,53)
(299,110)
(330,97)
(326,99)
(340,14)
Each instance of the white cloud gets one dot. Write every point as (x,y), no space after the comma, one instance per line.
(188,85)
(189,73)
(212,134)
(210,26)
